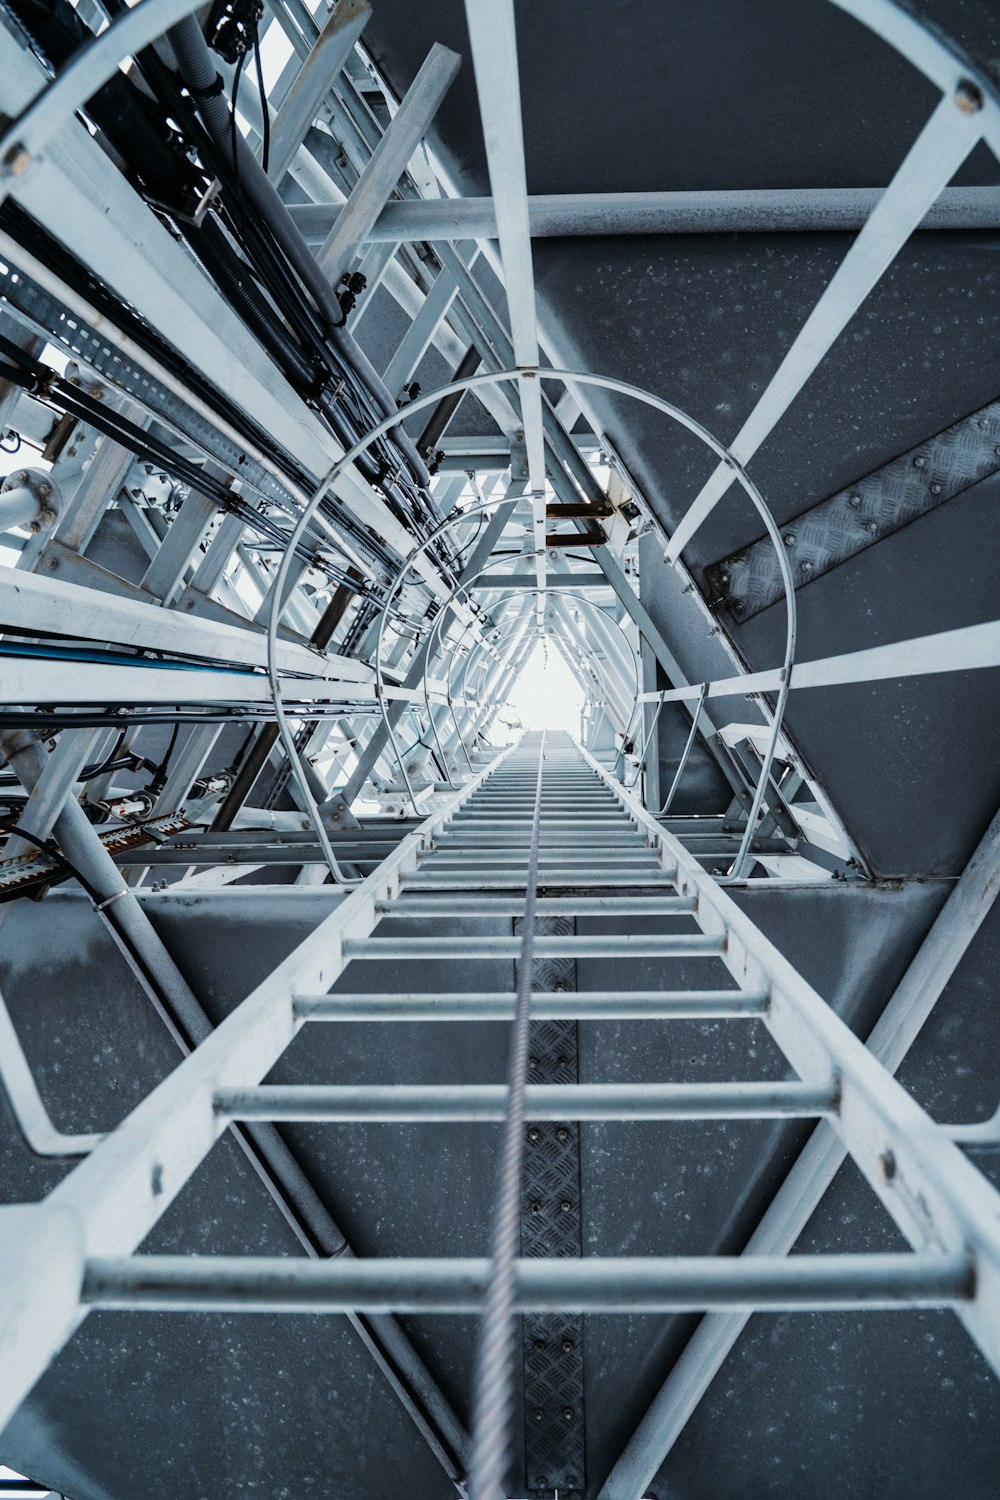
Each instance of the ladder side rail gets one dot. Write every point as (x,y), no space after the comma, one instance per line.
(110,1202)
(934,1194)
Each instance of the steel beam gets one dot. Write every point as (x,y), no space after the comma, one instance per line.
(389,161)
(932,161)
(649,1285)
(494,57)
(733,211)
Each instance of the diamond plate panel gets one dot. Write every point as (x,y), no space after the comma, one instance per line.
(550,1226)
(861,515)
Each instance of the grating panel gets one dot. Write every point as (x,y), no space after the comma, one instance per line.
(550,1226)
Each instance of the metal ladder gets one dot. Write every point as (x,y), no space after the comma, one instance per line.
(601,853)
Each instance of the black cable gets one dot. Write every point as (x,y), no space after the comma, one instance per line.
(266,137)
(160,774)
(232,118)
(52,849)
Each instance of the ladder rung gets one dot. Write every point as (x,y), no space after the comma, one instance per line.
(573,1005)
(505,859)
(569,820)
(573,880)
(657,1284)
(574,945)
(484,1102)
(513,906)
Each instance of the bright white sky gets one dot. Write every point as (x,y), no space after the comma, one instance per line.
(546,695)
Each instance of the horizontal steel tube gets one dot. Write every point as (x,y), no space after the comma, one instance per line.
(467,859)
(729,211)
(614,945)
(256,1284)
(513,906)
(573,880)
(625,1005)
(424,1104)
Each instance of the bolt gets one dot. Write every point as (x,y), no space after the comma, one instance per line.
(724,577)
(538,1345)
(18,160)
(535,1206)
(789,539)
(562,1062)
(936,489)
(568,1346)
(919,462)
(968,97)
(565,1206)
(872,526)
(854,500)
(534,1133)
(539,1414)
(52,562)
(562,1134)
(736,604)
(806,567)
(532,1062)
(568,1413)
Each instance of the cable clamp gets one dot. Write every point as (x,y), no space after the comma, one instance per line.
(100,905)
(210,90)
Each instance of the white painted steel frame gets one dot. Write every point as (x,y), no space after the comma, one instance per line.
(934,1194)
(108,1204)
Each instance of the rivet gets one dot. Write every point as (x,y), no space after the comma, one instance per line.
(935,489)
(568,1413)
(568,1346)
(562,1134)
(536,1207)
(919,462)
(872,526)
(538,1345)
(565,1205)
(534,1133)
(532,1062)
(539,1416)
(968,97)
(854,500)
(789,539)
